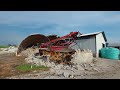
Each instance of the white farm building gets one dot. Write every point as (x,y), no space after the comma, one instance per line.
(93,41)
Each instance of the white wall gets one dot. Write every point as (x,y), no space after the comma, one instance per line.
(99,41)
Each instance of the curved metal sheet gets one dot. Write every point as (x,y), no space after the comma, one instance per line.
(32,40)
(52,37)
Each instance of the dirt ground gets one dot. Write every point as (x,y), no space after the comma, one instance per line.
(106,69)
(8,62)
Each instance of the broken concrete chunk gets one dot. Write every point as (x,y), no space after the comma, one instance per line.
(71,76)
(66,74)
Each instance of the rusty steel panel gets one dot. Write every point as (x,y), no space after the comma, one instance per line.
(32,40)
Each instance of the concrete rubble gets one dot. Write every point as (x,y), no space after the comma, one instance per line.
(67,71)
(29,52)
(11,49)
(84,56)
(98,68)
(84,65)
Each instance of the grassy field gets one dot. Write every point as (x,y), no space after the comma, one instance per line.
(3,46)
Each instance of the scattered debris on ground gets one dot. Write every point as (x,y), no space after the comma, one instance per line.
(29,51)
(84,56)
(94,69)
(9,63)
(11,49)
(85,67)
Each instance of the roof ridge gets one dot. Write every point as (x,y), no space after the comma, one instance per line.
(92,33)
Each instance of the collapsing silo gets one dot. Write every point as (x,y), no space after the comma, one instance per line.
(32,40)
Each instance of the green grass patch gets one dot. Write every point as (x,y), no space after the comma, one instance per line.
(4,46)
(29,67)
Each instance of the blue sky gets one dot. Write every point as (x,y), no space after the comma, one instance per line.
(17,25)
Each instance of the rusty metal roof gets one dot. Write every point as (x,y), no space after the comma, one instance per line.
(32,40)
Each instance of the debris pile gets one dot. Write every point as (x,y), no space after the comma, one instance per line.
(11,49)
(29,52)
(67,71)
(84,56)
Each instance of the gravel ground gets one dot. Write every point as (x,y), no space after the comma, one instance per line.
(103,69)
(98,69)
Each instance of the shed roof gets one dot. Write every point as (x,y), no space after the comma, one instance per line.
(95,33)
